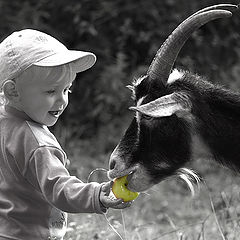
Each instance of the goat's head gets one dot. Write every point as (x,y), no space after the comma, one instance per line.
(157,143)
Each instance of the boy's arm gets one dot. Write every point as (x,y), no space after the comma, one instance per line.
(48,174)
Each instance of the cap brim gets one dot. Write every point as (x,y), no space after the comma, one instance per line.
(80,60)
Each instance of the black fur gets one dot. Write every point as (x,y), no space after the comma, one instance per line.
(217,118)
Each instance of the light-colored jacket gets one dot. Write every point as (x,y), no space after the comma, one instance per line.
(36,189)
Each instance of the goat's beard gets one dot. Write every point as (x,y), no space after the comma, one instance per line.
(190,178)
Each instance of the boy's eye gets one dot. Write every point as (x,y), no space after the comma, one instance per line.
(51,91)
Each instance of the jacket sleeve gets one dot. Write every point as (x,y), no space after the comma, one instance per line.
(48,174)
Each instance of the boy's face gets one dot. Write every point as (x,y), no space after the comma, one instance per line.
(43,95)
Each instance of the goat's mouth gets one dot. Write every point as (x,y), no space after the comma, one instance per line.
(138,178)
(112,174)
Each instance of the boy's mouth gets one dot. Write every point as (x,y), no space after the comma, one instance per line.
(55,114)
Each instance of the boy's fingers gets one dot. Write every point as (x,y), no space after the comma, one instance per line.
(119,204)
(106,187)
(113,203)
(123,205)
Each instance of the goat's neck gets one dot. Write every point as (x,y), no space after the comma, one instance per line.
(217,121)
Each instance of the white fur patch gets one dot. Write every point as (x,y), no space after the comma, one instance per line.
(190,177)
(139,80)
(139,102)
(175,75)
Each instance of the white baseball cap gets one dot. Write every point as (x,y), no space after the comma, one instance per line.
(28,47)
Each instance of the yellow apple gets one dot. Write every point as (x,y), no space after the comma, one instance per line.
(120,190)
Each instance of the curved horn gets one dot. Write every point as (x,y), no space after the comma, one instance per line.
(163,61)
(229,7)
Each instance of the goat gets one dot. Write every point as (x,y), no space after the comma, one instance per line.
(170,106)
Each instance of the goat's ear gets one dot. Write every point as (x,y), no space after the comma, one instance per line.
(176,103)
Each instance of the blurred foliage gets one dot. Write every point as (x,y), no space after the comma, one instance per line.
(125,36)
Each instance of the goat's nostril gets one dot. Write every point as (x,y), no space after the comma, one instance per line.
(112,164)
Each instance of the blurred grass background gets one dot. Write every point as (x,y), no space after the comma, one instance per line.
(125,36)
(168,211)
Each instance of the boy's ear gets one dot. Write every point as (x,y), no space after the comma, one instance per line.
(10,90)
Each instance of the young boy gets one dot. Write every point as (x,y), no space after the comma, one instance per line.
(36,73)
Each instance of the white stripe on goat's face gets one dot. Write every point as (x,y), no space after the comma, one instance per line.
(139,103)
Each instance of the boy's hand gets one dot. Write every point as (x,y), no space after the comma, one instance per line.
(110,202)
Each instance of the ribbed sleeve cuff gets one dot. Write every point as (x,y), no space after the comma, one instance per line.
(99,208)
